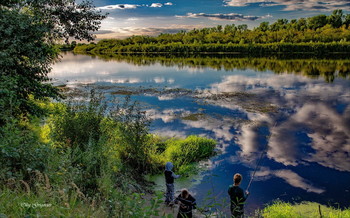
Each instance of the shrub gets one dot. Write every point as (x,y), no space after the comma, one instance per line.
(183,152)
(21,150)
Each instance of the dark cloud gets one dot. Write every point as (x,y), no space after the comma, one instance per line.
(151,30)
(230,16)
(103,32)
(119,6)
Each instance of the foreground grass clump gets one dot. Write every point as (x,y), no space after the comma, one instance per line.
(184,152)
(281,209)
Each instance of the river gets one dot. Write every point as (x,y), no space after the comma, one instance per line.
(296,112)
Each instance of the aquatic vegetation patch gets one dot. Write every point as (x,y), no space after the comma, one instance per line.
(124,92)
(227,95)
(260,107)
(127,90)
(248,101)
(193,117)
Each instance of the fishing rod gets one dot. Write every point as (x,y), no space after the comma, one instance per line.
(261,155)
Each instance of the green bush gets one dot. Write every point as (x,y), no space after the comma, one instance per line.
(21,150)
(132,136)
(184,152)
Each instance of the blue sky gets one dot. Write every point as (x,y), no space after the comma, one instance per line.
(152,17)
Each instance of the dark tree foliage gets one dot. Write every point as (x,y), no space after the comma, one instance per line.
(317,21)
(25,60)
(28,31)
(336,18)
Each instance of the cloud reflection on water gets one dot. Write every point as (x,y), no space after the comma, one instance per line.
(328,131)
(289,177)
(310,111)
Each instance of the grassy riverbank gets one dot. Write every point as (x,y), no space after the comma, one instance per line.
(80,158)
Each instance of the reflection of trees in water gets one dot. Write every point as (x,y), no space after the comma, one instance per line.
(313,67)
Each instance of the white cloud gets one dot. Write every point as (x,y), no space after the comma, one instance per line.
(156,5)
(133,19)
(166,116)
(292,5)
(166,97)
(219,127)
(168,3)
(165,132)
(122,32)
(248,141)
(159,79)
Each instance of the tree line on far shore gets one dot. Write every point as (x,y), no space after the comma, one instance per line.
(316,34)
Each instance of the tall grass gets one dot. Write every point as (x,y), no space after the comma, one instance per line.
(281,209)
(70,203)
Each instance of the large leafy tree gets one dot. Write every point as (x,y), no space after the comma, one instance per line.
(336,18)
(317,21)
(29,30)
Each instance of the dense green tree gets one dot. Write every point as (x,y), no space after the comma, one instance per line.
(230,29)
(264,26)
(279,24)
(242,27)
(336,18)
(301,24)
(28,31)
(317,21)
(347,20)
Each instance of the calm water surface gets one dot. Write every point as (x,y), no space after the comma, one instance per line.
(303,104)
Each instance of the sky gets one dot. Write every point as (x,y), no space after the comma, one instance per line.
(152,17)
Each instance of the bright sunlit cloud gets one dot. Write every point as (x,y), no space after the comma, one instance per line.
(293,5)
(156,5)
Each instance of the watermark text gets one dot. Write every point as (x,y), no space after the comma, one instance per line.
(35,205)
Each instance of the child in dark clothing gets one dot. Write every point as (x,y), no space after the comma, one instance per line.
(169,181)
(237,197)
(187,203)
